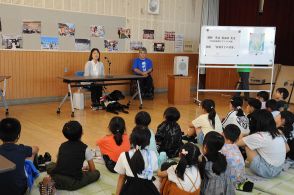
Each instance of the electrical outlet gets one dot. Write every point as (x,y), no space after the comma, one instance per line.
(65,69)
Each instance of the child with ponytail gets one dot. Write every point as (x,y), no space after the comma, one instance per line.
(183,178)
(213,167)
(136,167)
(206,122)
(236,116)
(111,146)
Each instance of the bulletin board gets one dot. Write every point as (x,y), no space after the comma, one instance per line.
(237,45)
(12,17)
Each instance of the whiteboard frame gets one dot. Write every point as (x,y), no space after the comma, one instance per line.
(243,55)
(271,66)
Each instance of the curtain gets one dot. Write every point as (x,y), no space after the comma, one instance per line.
(209,16)
(278,13)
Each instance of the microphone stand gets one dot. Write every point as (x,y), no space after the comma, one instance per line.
(109,63)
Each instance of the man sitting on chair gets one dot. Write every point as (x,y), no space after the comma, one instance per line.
(143,66)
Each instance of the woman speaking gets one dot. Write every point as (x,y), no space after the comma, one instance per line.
(95,68)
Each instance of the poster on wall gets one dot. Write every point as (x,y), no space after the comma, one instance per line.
(256,43)
(97,31)
(50,43)
(153,6)
(12,42)
(82,44)
(188,46)
(66,29)
(136,45)
(159,47)
(169,36)
(124,33)
(31,27)
(111,45)
(179,43)
(148,34)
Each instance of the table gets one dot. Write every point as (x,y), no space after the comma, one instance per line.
(179,89)
(3,92)
(79,81)
(6,165)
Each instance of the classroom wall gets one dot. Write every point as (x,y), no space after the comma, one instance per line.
(181,16)
(34,74)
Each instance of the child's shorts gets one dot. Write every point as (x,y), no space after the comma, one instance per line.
(263,168)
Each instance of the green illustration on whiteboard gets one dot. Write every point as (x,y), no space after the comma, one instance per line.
(256,44)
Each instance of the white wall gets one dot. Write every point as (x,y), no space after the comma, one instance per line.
(181,16)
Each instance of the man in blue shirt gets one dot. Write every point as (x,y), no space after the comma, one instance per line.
(143,66)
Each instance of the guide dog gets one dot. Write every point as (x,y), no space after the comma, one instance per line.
(111,102)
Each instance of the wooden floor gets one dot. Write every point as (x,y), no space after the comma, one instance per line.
(41,125)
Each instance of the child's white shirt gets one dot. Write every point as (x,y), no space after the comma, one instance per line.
(190,172)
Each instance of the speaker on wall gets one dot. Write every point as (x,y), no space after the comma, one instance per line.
(181,65)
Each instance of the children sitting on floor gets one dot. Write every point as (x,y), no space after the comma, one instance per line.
(285,123)
(207,121)
(14,181)
(236,115)
(252,107)
(265,149)
(280,95)
(169,135)
(136,167)
(144,119)
(68,172)
(263,97)
(233,155)
(111,146)
(213,167)
(271,106)
(183,178)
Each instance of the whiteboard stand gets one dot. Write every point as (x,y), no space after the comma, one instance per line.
(227,46)
(197,100)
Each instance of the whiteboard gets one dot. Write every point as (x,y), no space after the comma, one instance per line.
(237,45)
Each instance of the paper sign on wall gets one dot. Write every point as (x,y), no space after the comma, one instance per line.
(222,43)
(179,43)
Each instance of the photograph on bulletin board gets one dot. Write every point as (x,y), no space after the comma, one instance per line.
(124,33)
(148,34)
(31,27)
(82,44)
(159,47)
(66,29)
(169,36)
(50,43)
(136,45)
(97,31)
(12,42)
(111,45)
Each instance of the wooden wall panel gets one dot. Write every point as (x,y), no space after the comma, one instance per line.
(34,73)
(221,78)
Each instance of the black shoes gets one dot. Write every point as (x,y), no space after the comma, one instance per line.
(47,157)
(40,161)
(147,96)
